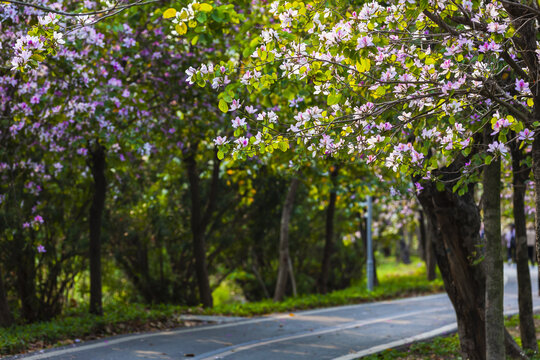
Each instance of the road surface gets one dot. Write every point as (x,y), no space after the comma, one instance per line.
(338,333)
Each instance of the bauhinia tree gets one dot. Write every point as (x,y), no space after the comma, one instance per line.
(407,86)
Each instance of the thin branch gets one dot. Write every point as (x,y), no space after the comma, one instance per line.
(115,7)
(514,65)
(437,20)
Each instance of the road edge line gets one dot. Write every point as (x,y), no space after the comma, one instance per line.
(447,329)
(376,349)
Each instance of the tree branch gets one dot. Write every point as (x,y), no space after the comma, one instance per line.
(115,7)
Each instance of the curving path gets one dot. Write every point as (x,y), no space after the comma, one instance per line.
(339,333)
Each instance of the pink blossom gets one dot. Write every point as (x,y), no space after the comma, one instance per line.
(522,85)
(220,140)
(526,135)
(41,249)
(242,141)
(238,122)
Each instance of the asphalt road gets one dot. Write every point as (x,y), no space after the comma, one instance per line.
(344,333)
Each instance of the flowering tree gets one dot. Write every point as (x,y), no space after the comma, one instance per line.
(409,86)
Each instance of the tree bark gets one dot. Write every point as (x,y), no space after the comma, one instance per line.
(6,319)
(536,175)
(526,320)
(283,269)
(329,239)
(429,250)
(493,261)
(197,230)
(455,221)
(97,166)
(421,233)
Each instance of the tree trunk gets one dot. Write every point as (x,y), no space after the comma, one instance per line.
(26,283)
(281,283)
(258,276)
(197,230)
(526,320)
(429,251)
(421,234)
(455,221)
(329,240)
(536,175)
(6,319)
(493,261)
(291,275)
(97,166)
(404,249)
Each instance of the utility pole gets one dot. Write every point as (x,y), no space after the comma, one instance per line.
(369,245)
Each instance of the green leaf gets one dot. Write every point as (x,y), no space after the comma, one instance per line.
(223,106)
(333,98)
(201,17)
(220,155)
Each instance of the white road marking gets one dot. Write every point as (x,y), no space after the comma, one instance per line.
(238,323)
(212,327)
(379,348)
(237,348)
(427,335)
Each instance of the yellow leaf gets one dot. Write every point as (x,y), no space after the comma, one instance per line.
(530,102)
(192,23)
(181,29)
(205,7)
(169,13)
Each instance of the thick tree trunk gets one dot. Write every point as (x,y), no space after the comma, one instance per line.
(97,166)
(526,320)
(6,319)
(197,230)
(493,261)
(329,239)
(25,269)
(455,221)
(281,283)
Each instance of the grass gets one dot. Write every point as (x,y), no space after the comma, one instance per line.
(447,347)
(76,324)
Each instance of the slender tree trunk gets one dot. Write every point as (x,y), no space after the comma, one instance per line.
(536,175)
(197,230)
(493,261)
(421,233)
(431,262)
(329,239)
(97,166)
(258,276)
(6,319)
(291,275)
(281,283)
(526,320)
